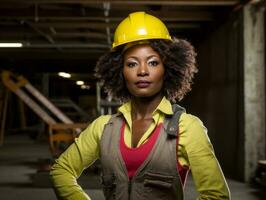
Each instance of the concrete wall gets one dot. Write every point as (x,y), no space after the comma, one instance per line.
(254,87)
(229,92)
(217,95)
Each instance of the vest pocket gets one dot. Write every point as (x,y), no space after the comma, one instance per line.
(158,180)
(109,186)
(158,186)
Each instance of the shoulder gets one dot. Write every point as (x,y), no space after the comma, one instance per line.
(186,120)
(96,127)
(192,129)
(100,122)
(88,140)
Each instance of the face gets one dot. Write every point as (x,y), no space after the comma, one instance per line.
(143,71)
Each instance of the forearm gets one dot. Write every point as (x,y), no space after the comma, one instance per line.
(214,196)
(65,184)
(208,177)
(199,155)
(81,154)
(215,193)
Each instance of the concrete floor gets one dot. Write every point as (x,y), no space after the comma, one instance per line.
(20,160)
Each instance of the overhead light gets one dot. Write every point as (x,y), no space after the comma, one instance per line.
(64,74)
(85,87)
(10,45)
(80,82)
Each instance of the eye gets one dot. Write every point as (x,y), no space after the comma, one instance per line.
(153,63)
(131,64)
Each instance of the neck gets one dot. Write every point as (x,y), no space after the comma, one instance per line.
(143,107)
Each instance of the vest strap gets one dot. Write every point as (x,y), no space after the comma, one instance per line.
(173,128)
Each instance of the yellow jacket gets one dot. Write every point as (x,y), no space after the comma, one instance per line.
(194,151)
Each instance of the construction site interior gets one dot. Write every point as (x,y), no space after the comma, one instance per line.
(49,94)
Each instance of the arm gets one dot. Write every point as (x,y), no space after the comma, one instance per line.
(206,171)
(69,166)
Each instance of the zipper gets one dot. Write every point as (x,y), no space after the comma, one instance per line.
(129,189)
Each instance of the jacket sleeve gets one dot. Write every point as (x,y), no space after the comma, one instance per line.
(69,166)
(206,171)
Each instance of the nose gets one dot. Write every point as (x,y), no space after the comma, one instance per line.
(143,70)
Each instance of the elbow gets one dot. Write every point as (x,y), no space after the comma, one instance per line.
(214,195)
(227,195)
(52,173)
(56,173)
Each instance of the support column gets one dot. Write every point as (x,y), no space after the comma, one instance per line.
(254,88)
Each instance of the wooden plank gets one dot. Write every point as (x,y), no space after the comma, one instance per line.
(49,105)
(16,88)
(62,126)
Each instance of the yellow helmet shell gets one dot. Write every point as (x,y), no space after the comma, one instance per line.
(140,26)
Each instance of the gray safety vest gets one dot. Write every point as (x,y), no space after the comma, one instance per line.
(157,177)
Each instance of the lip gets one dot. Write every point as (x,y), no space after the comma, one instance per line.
(143,84)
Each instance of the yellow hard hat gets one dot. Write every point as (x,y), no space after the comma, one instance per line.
(140,26)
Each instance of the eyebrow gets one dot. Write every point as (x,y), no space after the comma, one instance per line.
(149,57)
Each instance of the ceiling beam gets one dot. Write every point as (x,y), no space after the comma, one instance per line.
(103,25)
(114,17)
(135,2)
(65,45)
(12,35)
(45,35)
(52,53)
(80,34)
(67,25)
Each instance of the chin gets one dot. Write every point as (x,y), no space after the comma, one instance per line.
(142,94)
(146,95)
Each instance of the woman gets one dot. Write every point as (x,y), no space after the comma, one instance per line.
(148,147)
